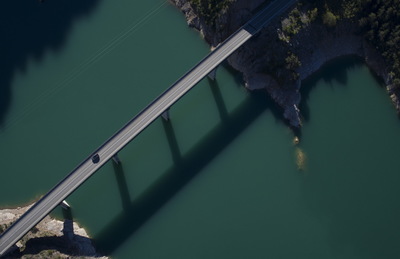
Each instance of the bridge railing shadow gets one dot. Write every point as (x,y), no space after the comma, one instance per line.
(186,168)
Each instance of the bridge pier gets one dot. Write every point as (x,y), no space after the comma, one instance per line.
(65,205)
(213,74)
(116,159)
(165,115)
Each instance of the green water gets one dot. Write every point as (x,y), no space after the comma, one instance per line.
(220,180)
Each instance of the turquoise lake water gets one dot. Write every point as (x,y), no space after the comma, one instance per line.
(221,180)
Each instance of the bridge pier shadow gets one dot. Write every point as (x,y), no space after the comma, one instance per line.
(172,141)
(216,91)
(178,175)
(122,185)
(68,229)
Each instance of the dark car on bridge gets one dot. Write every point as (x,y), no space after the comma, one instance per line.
(95,159)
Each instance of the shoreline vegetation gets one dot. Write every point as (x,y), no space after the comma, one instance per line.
(299,43)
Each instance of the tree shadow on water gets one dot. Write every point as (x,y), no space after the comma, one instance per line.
(237,76)
(29,29)
(334,71)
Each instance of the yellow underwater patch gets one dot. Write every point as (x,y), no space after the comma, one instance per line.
(301,159)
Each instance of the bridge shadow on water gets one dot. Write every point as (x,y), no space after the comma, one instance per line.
(29,29)
(173,142)
(223,112)
(185,167)
(122,186)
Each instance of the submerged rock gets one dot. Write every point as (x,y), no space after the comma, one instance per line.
(301,159)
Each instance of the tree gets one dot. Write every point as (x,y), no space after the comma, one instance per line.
(292,61)
(329,19)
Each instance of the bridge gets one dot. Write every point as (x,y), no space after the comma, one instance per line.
(159,107)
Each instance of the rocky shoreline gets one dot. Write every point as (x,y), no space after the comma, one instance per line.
(51,238)
(314,45)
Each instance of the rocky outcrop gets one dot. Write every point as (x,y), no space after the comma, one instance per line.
(51,238)
(262,59)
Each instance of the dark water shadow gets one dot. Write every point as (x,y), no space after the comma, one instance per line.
(334,71)
(276,110)
(177,176)
(122,185)
(357,204)
(219,100)
(29,29)
(172,141)
(237,76)
(67,214)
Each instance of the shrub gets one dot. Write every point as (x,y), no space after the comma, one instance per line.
(329,19)
(292,61)
(210,10)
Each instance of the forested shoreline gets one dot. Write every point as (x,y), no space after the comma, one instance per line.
(378,21)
